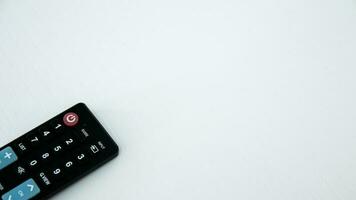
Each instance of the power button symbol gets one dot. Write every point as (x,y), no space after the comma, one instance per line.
(70,119)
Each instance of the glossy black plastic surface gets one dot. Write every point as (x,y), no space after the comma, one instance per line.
(58,152)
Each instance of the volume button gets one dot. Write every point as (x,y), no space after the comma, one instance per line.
(7,157)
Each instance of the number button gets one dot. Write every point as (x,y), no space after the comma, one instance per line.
(70,167)
(81,156)
(33,140)
(45,156)
(57,149)
(57,171)
(33,163)
(69,164)
(56,126)
(69,142)
(46,134)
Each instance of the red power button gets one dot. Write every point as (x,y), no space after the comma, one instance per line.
(70,119)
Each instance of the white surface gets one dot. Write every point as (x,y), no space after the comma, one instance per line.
(207,99)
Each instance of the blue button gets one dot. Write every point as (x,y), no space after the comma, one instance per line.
(24,191)
(7,156)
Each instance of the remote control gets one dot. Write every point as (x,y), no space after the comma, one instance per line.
(54,155)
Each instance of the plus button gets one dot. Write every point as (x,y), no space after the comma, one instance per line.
(7,156)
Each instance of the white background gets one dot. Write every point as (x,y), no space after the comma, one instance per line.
(228,99)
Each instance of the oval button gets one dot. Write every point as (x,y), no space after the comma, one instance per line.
(70,119)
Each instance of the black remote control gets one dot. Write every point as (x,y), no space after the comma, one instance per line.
(54,155)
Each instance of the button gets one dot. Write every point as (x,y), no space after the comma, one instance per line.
(7,156)
(97,148)
(69,167)
(84,133)
(33,140)
(24,191)
(33,163)
(81,156)
(69,142)
(20,170)
(57,148)
(45,180)
(45,156)
(94,149)
(80,134)
(56,173)
(22,146)
(101,144)
(46,134)
(70,119)
(69,164)
(56,126)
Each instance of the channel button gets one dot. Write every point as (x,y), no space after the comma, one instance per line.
(7,156)
(24,191)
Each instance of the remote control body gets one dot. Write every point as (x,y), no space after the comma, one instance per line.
(54,155)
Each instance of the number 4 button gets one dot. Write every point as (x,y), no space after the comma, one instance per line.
(46,133)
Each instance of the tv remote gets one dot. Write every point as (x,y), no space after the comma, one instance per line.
(54,155)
